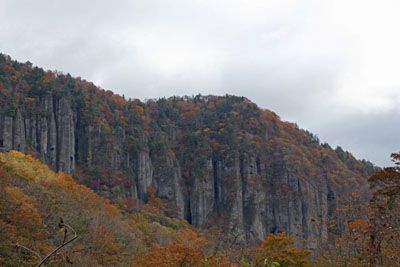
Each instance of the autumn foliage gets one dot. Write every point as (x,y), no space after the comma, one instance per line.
(280,248)
(186,250)
(33,198)
(193,129)
(368,230)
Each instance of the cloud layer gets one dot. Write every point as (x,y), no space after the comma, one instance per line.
(330,66)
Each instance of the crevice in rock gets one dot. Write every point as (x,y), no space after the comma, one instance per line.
(243,187)
(37,132)
(330,198)
(304,210)
(216,182)
(58,141)
(78,157)
(258,164)
(188,211)
(13,133)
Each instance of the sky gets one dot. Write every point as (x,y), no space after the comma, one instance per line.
(330,66)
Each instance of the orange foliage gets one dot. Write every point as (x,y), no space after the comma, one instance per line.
(358,223)
(25,215)
(280,248)
(139,109)
(187,250)
(103,246)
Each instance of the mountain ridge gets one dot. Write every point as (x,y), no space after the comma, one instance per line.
(217,159)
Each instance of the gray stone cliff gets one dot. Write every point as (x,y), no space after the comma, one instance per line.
(249,193)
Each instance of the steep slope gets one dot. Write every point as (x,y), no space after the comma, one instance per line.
(218,160)
(32,198)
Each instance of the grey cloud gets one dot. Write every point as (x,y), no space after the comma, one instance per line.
(284,55)
(373,136)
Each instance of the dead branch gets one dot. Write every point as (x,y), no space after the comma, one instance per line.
(30,250)
(64,243)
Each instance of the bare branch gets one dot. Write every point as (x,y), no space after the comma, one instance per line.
(64,243)
(55,250)
(30,250)
(64,226)
(72,229)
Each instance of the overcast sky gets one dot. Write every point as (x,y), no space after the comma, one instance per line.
(330,66)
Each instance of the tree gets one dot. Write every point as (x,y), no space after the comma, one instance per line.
(280,249)
(187,250)
(384,214)
(370,234)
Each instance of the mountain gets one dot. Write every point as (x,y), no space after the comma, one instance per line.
(217,160)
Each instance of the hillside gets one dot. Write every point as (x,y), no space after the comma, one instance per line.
(49,219)
(216,160)
(32,199)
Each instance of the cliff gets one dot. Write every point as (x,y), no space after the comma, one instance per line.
(218,160)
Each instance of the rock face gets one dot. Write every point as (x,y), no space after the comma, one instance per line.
(252,195)
(51,136)
(219,160)
(65,137)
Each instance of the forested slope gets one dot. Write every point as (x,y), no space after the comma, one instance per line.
(216,160)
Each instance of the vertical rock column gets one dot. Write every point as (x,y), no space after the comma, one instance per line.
(19,132)
(254,198)
(168,179)
(202,196)
(30,132)
(7,132)
(231,188)
(65,137)
(144,175)
(48,133)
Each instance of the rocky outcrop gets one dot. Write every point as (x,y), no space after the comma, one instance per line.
(6,127)
(168,181)
(65,137)
(202,197)
(250,193)
(19,132)
(50,135)
(144,174)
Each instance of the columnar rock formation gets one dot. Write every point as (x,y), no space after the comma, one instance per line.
(51,136)
(251,196)
(220,160)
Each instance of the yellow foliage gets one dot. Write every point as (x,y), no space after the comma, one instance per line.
(27,166)
(139,109)
(280,248)
(107,235)
(187,250)
(24,203)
